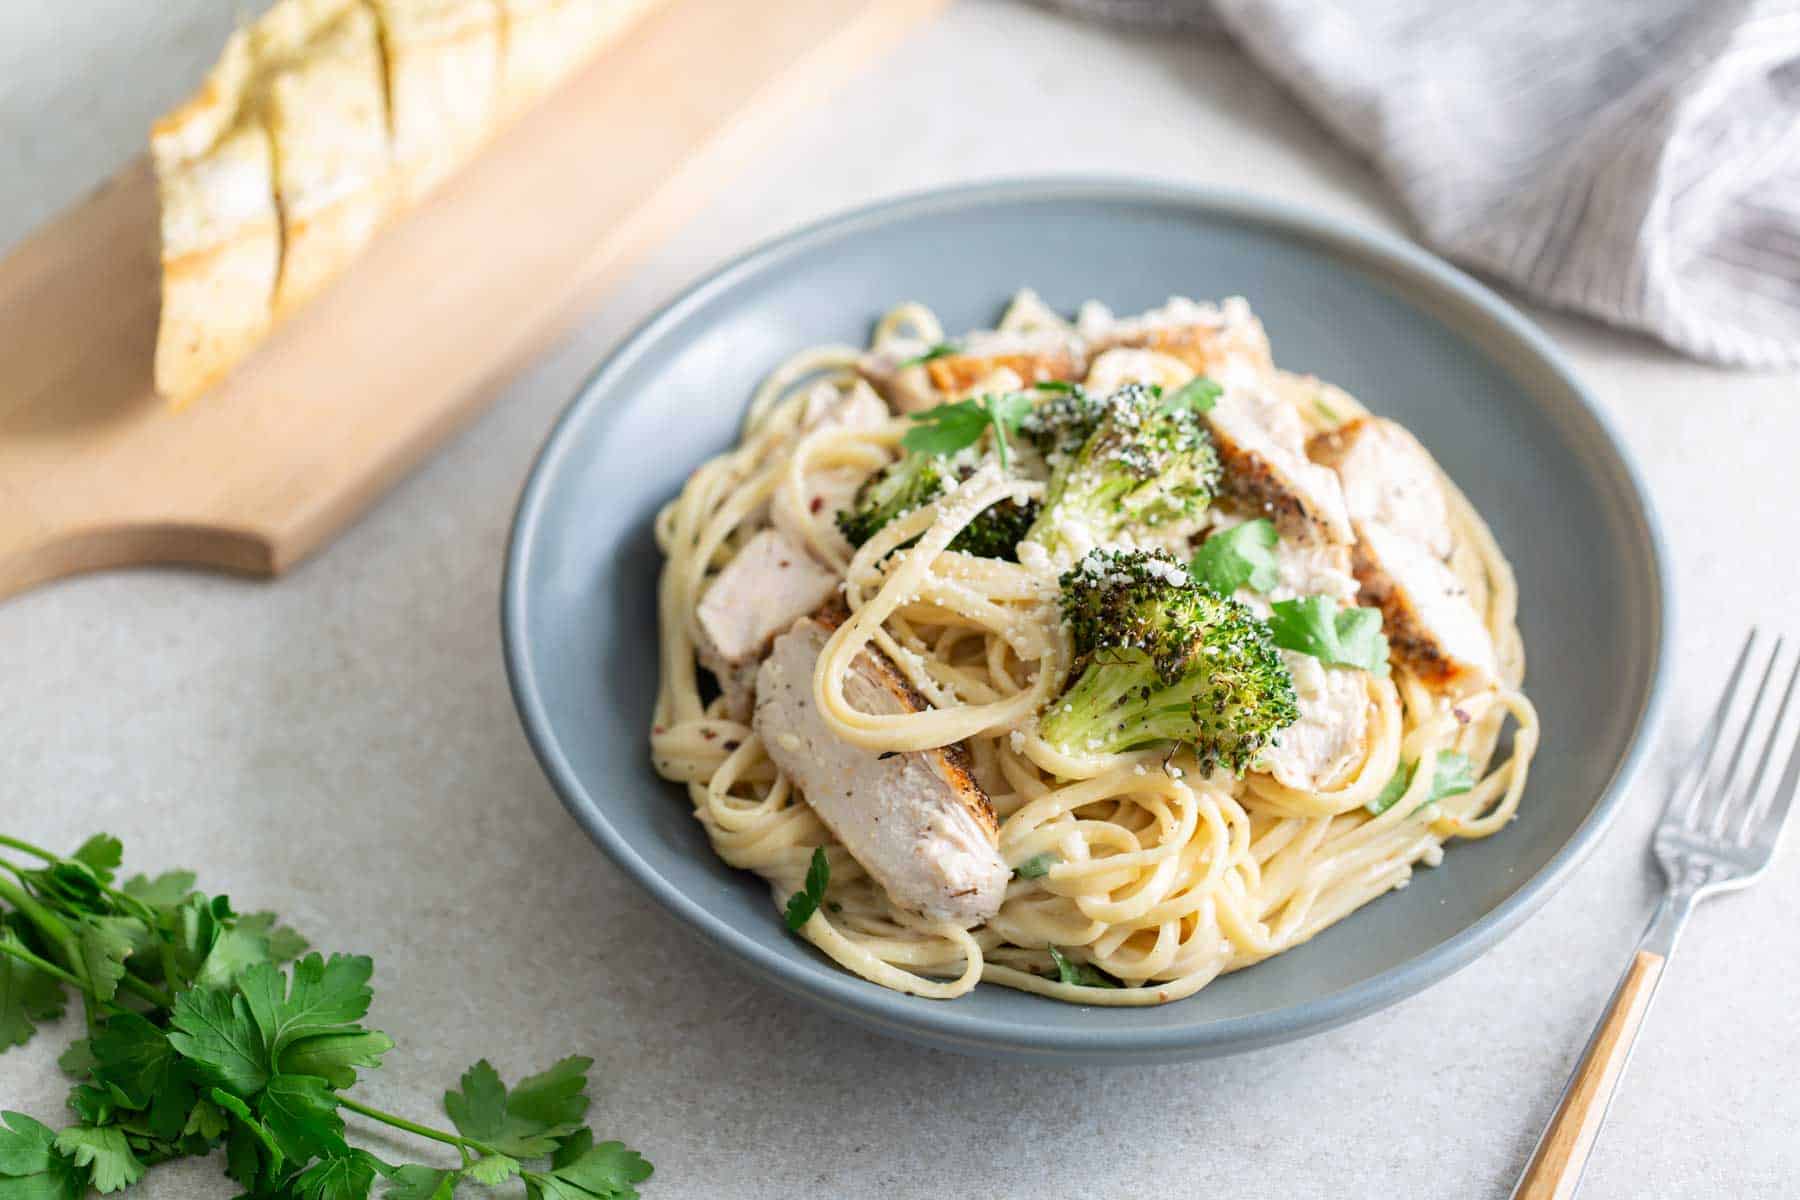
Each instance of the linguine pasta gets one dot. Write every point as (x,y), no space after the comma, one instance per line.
(1160,876)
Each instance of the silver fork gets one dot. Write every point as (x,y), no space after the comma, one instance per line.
(1718,833)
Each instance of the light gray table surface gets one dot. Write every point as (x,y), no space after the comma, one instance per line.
(339,745)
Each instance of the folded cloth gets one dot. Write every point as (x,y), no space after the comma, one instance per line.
(1637,160)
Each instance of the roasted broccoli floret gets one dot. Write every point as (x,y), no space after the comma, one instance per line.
(889,494)
(1148,461)
(918,479)
(1064,417)
(1160,658)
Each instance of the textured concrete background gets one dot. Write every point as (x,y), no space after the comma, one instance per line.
(339,745)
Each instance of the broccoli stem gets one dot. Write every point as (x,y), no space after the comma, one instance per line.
(1118,705)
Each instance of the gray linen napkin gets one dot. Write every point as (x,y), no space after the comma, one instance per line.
(1635,160)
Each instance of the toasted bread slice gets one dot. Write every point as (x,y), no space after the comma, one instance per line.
(326,107)
(443,78)
(221,233)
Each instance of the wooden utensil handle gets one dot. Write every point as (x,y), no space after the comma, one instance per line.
(1556,1166)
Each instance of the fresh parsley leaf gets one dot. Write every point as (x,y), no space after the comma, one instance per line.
(333,1056)
(133,1059)
(78,1059)
(1393,789)
(30,1166)
(413,1182)
(347,1176)
(198,1039)
(1242,556)
(102,855)
(214,1030)
(325,996)
(493,1170)
(110,1164)
(301,1114)
(1037,866)
(805,902)
(479,1110)
(1079,973)
(940,350)
(206,1121)
(27,997)
(1452,775)
(949,428)
(1197,395)
(583,1168)
(26,1147)
(1316,625)
(94,1105)
(555,1099)
(167,890)
(252,1152)
(105,944)
(527,1122)
(1054,385)
(283,944)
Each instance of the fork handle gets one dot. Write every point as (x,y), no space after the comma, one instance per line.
(1556,1165)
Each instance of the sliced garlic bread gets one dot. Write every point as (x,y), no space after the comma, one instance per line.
(221,235)
(322,119)
(443,72)
(325,103)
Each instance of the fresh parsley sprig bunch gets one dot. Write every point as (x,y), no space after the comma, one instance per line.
(949,428)
(198,1039)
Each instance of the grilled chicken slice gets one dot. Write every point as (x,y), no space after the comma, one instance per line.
(917,821)
(1328,738)
(1431,626)
(1037,357)
(1209,338)
(326,107)
(771,581)
(221,231)
(828,408)
(1313,570)
(912,386)
(1388,479)
(1261,442)
(443,75)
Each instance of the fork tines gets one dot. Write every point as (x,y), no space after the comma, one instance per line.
(1715,808)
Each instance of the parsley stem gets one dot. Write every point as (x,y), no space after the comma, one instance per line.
(424,1131)
(49,924)
(146,991)
(999,425)
(28,848)
(57,931)
(143,910)
(43,964)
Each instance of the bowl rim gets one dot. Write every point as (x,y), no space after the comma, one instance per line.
(942,1024)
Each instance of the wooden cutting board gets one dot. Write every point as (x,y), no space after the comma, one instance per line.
(450,302)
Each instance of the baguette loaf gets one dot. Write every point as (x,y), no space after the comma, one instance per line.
(322,120)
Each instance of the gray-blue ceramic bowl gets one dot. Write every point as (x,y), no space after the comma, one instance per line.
(1408,335)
